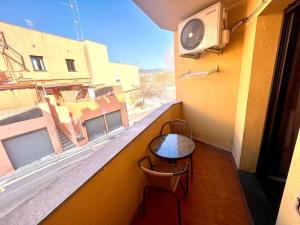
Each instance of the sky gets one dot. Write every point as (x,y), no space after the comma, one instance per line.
(129,34)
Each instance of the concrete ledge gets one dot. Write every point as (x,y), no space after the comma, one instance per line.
(31,202)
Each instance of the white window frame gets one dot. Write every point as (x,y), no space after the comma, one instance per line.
(37,63)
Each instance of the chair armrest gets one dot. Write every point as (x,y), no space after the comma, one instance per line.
(157,173)
(170,168)
(143,159)
(182,170)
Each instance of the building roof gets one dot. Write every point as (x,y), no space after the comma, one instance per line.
(42,32)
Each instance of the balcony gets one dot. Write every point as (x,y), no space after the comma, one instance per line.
(106,186)
(214,196)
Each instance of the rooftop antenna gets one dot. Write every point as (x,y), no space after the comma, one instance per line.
(29,22)
(72,4)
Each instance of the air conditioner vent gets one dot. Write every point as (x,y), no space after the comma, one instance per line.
(192,34)
(203,31)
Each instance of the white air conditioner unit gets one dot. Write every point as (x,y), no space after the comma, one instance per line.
(204,30)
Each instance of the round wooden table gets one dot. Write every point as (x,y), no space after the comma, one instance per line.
(173,147)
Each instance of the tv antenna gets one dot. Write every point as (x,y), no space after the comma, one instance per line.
(72,4)
(29,22)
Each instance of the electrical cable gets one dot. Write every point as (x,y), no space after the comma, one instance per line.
(246,19)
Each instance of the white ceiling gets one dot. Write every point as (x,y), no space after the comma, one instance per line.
(167,13)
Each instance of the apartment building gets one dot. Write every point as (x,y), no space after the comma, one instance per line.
(64,92)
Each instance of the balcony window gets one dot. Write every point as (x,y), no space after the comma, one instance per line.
(71,65)
(37,63)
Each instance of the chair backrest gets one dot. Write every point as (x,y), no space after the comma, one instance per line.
(163,180)
(177,127)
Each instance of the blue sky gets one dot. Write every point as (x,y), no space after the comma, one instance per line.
(131,37)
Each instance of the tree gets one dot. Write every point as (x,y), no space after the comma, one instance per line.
(154,85)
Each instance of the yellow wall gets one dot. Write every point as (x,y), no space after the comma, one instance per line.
(97,61)
(288,214)
(77,108)
(17,98)
(260,46)
(209,103)
(129,75)
(112,195)
(91,58)
(228,109)
(247,53)
(104,72)
(54,49)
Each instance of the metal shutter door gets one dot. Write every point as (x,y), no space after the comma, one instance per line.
(29,147)
(113,120)
(95,127)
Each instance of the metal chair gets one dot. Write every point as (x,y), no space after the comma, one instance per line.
(178,127)
(163,177)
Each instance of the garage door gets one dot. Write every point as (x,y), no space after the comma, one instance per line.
(95,127)
(29,147)
(113,120)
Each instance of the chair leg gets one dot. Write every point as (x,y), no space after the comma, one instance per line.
(186,183)
(178,209)
(144,201)
(192,171)
(185,187)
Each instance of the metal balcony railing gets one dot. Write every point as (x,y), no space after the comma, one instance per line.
(13,60)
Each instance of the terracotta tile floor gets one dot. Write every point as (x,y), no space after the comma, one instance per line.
(214,198)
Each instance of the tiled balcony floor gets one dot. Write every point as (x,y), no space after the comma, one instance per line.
(214,198)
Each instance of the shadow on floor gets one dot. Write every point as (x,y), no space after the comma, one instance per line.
(259,205)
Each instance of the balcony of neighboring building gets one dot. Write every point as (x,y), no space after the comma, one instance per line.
(69,116)
(85,106)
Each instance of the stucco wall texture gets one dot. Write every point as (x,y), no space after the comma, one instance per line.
(209,104)
(228,109)
(10,99)
(91,58)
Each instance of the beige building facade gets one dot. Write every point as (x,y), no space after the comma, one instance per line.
(43,59)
